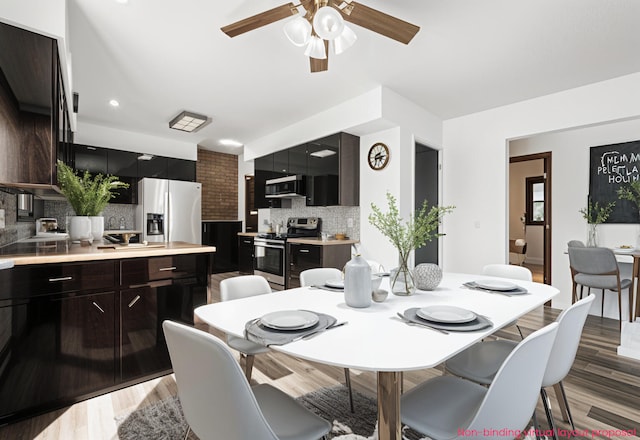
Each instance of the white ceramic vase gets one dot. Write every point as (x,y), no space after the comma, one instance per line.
(357,283)
(80,228)
(97,227)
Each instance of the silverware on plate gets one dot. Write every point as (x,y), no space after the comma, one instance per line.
(425,325)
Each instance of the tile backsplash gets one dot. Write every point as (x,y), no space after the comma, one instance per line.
(13,230)
(114,215)
(334,218)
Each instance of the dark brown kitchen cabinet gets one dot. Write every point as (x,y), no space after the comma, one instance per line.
(223,235)
(124,164)
(56,336)
(245,255)
(309,256)
(181,169)
(34,120)
(71,331)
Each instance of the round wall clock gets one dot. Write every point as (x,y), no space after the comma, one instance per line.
(378,156)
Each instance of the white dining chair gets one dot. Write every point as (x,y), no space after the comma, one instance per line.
(317,277)
(481,362)
(447,407)
(217,400)
(243,287)
(509,271)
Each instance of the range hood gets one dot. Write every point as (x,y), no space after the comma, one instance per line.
(39,191)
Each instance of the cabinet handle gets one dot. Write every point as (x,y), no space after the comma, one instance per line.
(246,241)
(51,280)
(165,269)
(134,300)
(97,306)
(304,251)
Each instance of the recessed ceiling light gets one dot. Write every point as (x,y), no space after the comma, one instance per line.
(114,103)
(122,2)
(230,143)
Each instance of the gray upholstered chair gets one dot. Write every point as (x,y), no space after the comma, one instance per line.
(219,403)
(243,287)
(447,407)
(597,267)
(481,361)
(319,276)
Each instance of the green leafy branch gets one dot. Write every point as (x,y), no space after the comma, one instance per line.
(414,233)
(87,195)
(596,214)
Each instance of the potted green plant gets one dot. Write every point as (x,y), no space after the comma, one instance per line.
(595,214)
(407,236)
(88,196)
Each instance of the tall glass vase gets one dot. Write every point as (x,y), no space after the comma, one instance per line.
(401,278)
(592,237)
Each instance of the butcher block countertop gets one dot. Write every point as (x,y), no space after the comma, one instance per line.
(65,252)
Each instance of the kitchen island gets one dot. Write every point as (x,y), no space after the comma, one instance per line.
(78,321)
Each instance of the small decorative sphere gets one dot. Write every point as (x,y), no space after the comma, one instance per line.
(427,276)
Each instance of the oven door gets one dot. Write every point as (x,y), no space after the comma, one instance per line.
(270,261)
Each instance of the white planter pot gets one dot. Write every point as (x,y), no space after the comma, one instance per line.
(80,228)
(97,227)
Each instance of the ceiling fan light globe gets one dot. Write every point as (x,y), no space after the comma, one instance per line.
(315,49)
(328,23)
(298,31)
(344,41)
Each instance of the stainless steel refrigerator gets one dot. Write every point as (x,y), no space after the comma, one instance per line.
(169,210)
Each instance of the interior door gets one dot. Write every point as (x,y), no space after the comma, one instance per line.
(426,188)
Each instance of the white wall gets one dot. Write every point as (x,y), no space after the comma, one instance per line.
(474,173)
(101,136)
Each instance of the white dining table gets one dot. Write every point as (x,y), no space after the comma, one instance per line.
(375,339)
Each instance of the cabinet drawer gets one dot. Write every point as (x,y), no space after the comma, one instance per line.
(27,281)
(142,270)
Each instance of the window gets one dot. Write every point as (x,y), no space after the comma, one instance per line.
(535,200)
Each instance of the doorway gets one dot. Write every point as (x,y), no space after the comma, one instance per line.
(426,188)
(530,212)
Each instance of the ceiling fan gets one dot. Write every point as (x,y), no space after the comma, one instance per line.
(321,22)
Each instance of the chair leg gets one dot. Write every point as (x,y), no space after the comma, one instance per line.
(564,405)
(247,360)
(602,305)
(520,331)
(347,379)
(547,410)
(186,436)
(630,303)
(536,426)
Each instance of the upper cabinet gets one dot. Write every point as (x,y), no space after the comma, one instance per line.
(330,166)
(34,123)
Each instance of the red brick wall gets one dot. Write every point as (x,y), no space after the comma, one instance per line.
(218,173)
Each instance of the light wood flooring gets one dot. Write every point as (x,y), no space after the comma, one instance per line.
(603,389)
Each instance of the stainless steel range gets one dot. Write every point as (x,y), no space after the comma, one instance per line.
(271,250)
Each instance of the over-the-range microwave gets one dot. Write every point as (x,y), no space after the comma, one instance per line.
(284,187)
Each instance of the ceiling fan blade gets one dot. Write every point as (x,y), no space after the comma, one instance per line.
(377,21)
(259,20)
(318,65)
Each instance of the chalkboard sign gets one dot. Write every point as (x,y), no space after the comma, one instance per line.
(613,166)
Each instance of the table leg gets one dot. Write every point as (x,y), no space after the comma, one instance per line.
(389,423)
